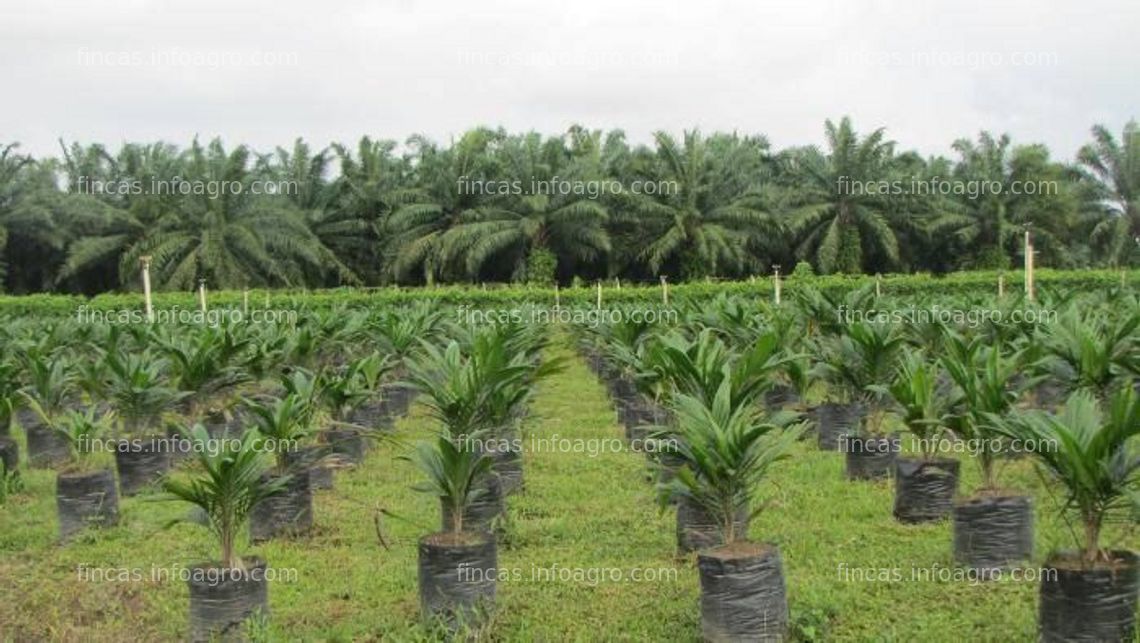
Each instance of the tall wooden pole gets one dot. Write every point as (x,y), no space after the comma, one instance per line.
(1029,285)
(146,289)
(1028,266)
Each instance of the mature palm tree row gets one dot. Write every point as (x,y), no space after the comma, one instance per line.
(723,205)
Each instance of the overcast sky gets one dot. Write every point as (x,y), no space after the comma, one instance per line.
(265,72)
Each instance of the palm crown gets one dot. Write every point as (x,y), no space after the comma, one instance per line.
(727,450)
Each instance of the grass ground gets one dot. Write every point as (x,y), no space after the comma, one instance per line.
(579,513)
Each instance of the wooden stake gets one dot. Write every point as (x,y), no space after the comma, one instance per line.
(599,294)
(146,289)
(878,285)
(664,290)
(1030,261)
(1001,285)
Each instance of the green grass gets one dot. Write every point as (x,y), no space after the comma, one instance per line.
(577,512)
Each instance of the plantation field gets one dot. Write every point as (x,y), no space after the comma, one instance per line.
(577,512)
(645,440)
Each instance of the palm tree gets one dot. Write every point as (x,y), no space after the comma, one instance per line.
(371,186)
(994,218)
(1113,169)
(35,221)
(531,232)
(233,237)
(122,220)
(438,202)
(835,219)
(12,167)
(708,218)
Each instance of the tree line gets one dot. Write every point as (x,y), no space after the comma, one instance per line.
(499,206)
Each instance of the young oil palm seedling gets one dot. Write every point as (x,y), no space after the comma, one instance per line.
(993,528)
(457,388)
(924,486)
(674,365)
(728,449)
(85,492)
(206,364)
(226,593)
(9,394)
(342,392)
(1089,594)
(620,356)
(372,372)
(266,353)
(855,364)
(458,565)
(1096,352)
(401,335)
(699,367)
(285,425)
(696,528)
(825,315)
(799,375)
(302,346)
(137,392)
(91,376)
(508,357)
(49,389)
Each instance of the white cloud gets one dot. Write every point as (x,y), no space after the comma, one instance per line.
(267,72)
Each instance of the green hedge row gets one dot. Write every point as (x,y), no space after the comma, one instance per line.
(976,283)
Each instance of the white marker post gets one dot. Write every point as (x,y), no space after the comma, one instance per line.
(599,294)
(245,303)
(776,281)
(202,295)
(665,290)
(878,285)
(1001,284)
(145,261)
(1030,261)
(1028,264)
(557,298)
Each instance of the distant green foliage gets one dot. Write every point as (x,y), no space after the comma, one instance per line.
(493,206)
(803,270)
